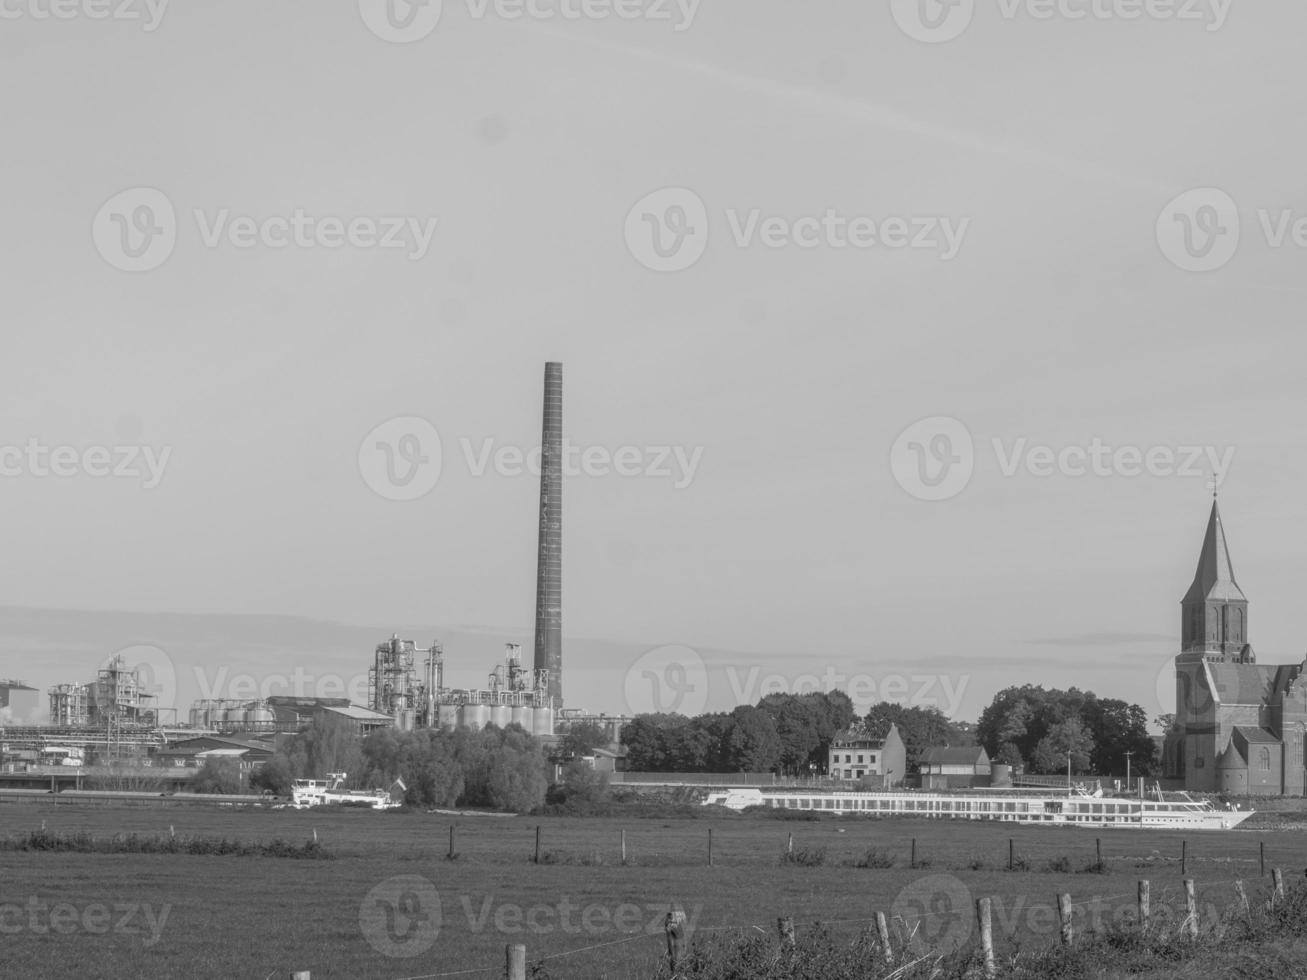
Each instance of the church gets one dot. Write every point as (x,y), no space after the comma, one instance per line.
(1239,725)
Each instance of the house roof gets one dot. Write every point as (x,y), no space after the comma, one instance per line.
(1231,758)
(858,733)
(357,713)
(1214,578)
(963,755)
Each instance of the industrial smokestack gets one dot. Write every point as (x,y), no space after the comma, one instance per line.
(549,569)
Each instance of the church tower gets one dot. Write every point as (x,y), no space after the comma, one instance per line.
(1214,612)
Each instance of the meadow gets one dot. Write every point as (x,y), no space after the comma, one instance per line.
(390,904)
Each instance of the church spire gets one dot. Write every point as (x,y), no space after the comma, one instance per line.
(1215,610)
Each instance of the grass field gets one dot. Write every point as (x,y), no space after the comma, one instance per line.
(392,906)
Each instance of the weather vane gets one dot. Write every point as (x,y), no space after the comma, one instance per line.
(1213,485)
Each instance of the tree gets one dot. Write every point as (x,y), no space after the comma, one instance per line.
(1070,736)
(274,776)
(753,743)
(218,776)
(582,739)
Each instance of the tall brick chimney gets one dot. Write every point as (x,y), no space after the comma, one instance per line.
(549,569)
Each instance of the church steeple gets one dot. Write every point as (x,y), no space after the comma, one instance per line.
(1215,611)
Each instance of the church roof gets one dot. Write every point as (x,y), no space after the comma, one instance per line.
(1256,736)
(1254,684)
(1231,759)
(1214,578)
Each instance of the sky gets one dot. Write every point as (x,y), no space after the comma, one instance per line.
(901,340)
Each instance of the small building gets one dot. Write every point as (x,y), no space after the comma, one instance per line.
(856,753)
(192,753)
(1251,763)
(954,768)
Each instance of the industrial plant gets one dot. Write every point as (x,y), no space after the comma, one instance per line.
(114,716)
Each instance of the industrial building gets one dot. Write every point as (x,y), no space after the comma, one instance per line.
(114,697)
(18,703)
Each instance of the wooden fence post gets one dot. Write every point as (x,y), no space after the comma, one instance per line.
(1191,909)
(785,926)
(710,847)
(913,862)
(537,858)
(1064,914)
(450,855)
(674,927)
(515,954)
(1278,890)
(882,930)
(1184,856)
(1243,897)
(1098,850)
(789,845)
(1143,907)
(1261,856)
(983,908)
(623,846)
(1011,853)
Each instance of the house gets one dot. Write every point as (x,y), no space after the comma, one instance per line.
(954,768)
(1239,725)
(855,753)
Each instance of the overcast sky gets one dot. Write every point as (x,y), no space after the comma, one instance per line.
(997,231)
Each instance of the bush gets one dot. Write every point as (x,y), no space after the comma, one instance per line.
(875,857)
(806,857)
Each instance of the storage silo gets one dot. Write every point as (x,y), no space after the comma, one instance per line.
(447,716)
(521,715)
(501,715)
(475,716)
(542,721)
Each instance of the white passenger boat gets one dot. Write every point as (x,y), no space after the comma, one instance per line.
(318,792)
(1039,808)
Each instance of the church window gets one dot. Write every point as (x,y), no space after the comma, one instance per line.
(1264,759)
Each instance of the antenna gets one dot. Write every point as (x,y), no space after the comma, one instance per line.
(1214,485)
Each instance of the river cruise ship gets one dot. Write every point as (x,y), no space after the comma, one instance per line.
(1040,808)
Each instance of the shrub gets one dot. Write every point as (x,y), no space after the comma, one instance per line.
(807,857)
